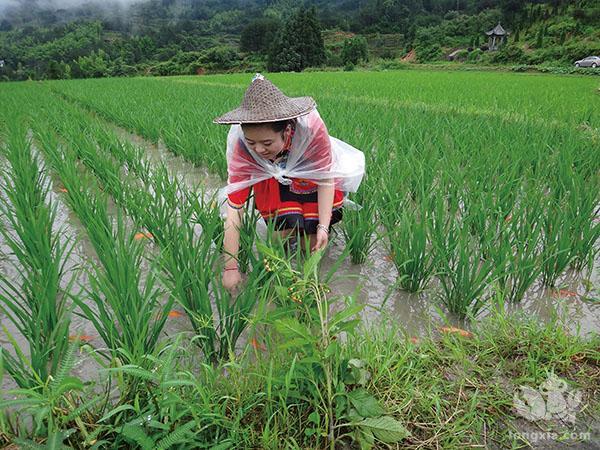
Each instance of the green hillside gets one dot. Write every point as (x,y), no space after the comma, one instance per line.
(169,37)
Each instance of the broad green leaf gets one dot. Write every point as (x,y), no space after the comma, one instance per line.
(345,313)
(292,328)
(386,429)
(311,264)
(366,405)
(332,349)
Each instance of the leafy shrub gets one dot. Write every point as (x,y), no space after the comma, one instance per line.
(474,56)
(220,58)
(508,53)
(354,50)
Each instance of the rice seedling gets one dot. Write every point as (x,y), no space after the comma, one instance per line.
(248,237)
(359,225)
(556,243)
(207,215)
(516,251)
(170,213)
(582,208)
(463,273)
(37,303)
(407,233)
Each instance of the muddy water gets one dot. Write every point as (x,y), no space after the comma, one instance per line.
(419,312)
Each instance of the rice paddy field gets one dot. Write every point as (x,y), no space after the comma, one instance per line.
(469,272)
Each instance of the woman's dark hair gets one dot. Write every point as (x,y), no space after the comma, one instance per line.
(277,127)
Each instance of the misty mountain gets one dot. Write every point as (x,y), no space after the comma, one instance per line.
(41,39)
(133,15)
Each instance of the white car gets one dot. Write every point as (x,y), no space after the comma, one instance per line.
(590,61)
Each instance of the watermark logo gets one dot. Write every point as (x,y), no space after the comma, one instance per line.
(552,400)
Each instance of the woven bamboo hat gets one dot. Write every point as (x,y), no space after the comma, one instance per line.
(264,102)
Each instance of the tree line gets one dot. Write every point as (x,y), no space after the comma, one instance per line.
(165,37)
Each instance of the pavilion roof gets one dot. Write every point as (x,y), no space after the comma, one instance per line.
(498,31)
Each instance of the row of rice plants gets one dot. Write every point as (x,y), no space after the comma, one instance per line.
(170,212)
(487,185)
(53,403)
(331,326)
(186,132)
(507,96)
(37,302)
(122,301)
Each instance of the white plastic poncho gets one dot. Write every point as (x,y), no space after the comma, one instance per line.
(313,155)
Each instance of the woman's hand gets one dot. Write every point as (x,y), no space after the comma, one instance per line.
(321,240)
(231,279)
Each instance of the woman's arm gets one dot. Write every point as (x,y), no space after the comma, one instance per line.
(231,244)
(325,194)
(231,240)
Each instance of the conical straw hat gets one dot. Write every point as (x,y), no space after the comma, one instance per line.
(264,102)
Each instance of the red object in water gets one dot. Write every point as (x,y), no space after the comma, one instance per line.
(257,345)
(145,235)
(562,293)
(81,337)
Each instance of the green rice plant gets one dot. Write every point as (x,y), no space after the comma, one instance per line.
(571,229)
(516,250)
(248,237)
(407,229)
(207,215)
(556,242)
(183,144)
(235,313)
(582,207)
(128,311)
(37,303)
(106,170)
(129,156)
(463,273)
(189,263)
(359,225)
(487,204)
(170,212)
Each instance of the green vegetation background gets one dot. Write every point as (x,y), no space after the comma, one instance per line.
(170,37)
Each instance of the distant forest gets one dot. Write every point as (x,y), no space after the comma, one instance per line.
(47,39)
